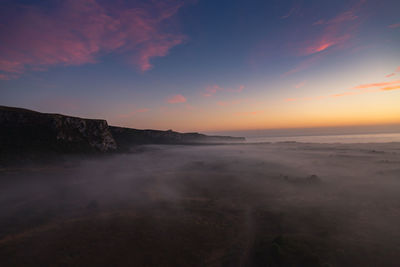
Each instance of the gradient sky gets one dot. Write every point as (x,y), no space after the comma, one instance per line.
(204,65)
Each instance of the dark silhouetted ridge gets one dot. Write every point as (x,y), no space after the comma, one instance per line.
(27,131)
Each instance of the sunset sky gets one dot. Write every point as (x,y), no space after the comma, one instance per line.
(205,65)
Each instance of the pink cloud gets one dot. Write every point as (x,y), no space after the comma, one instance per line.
(324,43)
(370,85)
(337,31)
(398,69)
(393,26)
(176,99)
(390,75)
(363,91)
(334,33)
(80,32)
(321,46)
(156,50)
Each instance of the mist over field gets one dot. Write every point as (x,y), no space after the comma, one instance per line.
(283,204)
(199,133)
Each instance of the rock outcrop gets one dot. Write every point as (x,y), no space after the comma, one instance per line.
(23,130)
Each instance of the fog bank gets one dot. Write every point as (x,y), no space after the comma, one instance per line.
(221,205)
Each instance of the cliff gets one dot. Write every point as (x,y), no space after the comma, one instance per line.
(25,131)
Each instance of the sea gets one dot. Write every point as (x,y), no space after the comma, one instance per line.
(342,138)
(352,134)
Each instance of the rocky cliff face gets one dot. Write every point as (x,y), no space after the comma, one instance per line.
(95,133)
(26,130)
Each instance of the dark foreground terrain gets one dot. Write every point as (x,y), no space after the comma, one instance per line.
(285,204)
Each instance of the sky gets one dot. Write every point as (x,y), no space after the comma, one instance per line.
(204,65)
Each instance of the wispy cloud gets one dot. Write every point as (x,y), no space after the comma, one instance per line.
(393,26)
(392,74)
(176,99)
(370,85)
(325,42)
(329,35)
(358,92)
(80,32)
(335,31)
(389,88)
(361,89)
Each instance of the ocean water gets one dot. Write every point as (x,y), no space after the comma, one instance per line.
(341,138)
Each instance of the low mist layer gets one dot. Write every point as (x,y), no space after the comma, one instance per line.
(285,204)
